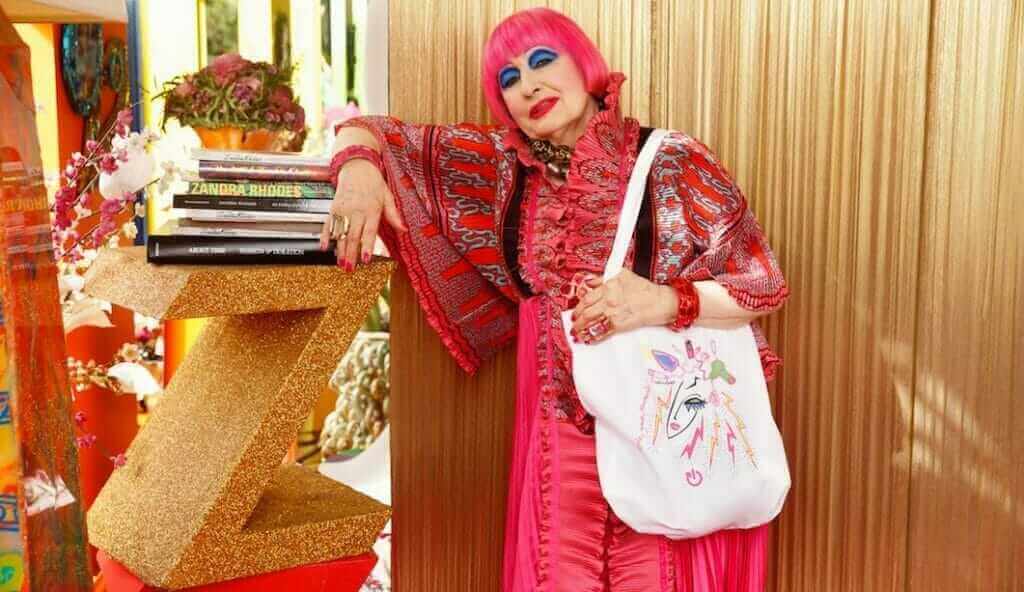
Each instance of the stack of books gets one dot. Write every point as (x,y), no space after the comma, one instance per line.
(248,207)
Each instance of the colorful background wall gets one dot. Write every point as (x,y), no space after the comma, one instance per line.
(879,144)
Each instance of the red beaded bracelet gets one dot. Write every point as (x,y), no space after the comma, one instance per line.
(351,153)
(689,304)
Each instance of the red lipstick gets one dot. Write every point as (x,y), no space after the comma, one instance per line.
(541,109)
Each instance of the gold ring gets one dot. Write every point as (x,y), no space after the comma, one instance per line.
(339,225)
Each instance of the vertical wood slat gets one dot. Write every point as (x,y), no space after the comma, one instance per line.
(450,445)
(966,514)
(817,108)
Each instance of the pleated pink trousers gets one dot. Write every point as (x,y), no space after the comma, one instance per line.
(561,535)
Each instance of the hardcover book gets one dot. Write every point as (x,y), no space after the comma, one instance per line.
(308,190)
(244,171)
(211,250)
(270,229)
(248,216)
(259,204)
(259,157)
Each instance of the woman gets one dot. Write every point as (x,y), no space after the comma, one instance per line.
(502,228)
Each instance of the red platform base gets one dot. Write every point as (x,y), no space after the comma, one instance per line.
(343,575)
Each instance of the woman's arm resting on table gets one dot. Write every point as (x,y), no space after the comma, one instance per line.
(361,197)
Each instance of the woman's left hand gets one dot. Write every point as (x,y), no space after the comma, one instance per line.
(624,302)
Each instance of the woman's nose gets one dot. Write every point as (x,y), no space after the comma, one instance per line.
(529,86)
(529,91)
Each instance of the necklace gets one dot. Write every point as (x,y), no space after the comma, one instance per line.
(556,157)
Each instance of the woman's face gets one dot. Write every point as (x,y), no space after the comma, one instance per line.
(546,96)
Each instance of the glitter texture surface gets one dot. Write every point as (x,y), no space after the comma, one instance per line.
(170,292)
(203,497)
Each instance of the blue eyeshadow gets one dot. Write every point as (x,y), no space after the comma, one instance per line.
(541,57)
(507,77)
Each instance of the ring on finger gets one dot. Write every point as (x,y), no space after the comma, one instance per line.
(599,328)
(339,226)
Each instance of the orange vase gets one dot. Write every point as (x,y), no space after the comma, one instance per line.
(236,138)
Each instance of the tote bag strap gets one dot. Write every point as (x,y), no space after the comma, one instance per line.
(631,205)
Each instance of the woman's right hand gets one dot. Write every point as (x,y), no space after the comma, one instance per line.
(361,198)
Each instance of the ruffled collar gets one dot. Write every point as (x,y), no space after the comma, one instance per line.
(603,133)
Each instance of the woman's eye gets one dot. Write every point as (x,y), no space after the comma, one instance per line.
(542,57)
(694,403)
(508,77)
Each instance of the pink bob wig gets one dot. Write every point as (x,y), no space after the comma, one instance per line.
(530,28)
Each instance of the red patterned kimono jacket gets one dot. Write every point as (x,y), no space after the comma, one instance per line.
(453,186)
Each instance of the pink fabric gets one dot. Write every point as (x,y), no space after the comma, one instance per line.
(582,547)
(466,299)
(726,561)
(561,535)
(523,511)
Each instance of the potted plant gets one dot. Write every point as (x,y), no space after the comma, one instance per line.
(234,103)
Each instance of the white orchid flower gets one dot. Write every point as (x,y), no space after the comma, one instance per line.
(132,174)
(134,379)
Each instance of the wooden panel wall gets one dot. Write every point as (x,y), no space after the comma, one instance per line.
(880,145)
(818,109)
(967,492)
(450,441)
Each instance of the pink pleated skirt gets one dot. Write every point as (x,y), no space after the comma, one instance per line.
(561,535)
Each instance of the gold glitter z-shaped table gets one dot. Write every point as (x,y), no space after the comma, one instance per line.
(204,497)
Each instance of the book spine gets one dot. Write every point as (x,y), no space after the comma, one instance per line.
(252,204)
(248,216)
(243,232)
(258,158)
(245,172)
(311,190)
(235,251)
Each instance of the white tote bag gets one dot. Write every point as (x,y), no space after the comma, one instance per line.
(686,442)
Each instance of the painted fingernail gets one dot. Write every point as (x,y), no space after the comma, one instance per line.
(366,257)
(351,266)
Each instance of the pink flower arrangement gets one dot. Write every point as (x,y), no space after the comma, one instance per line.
(100,164)
(233,91)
